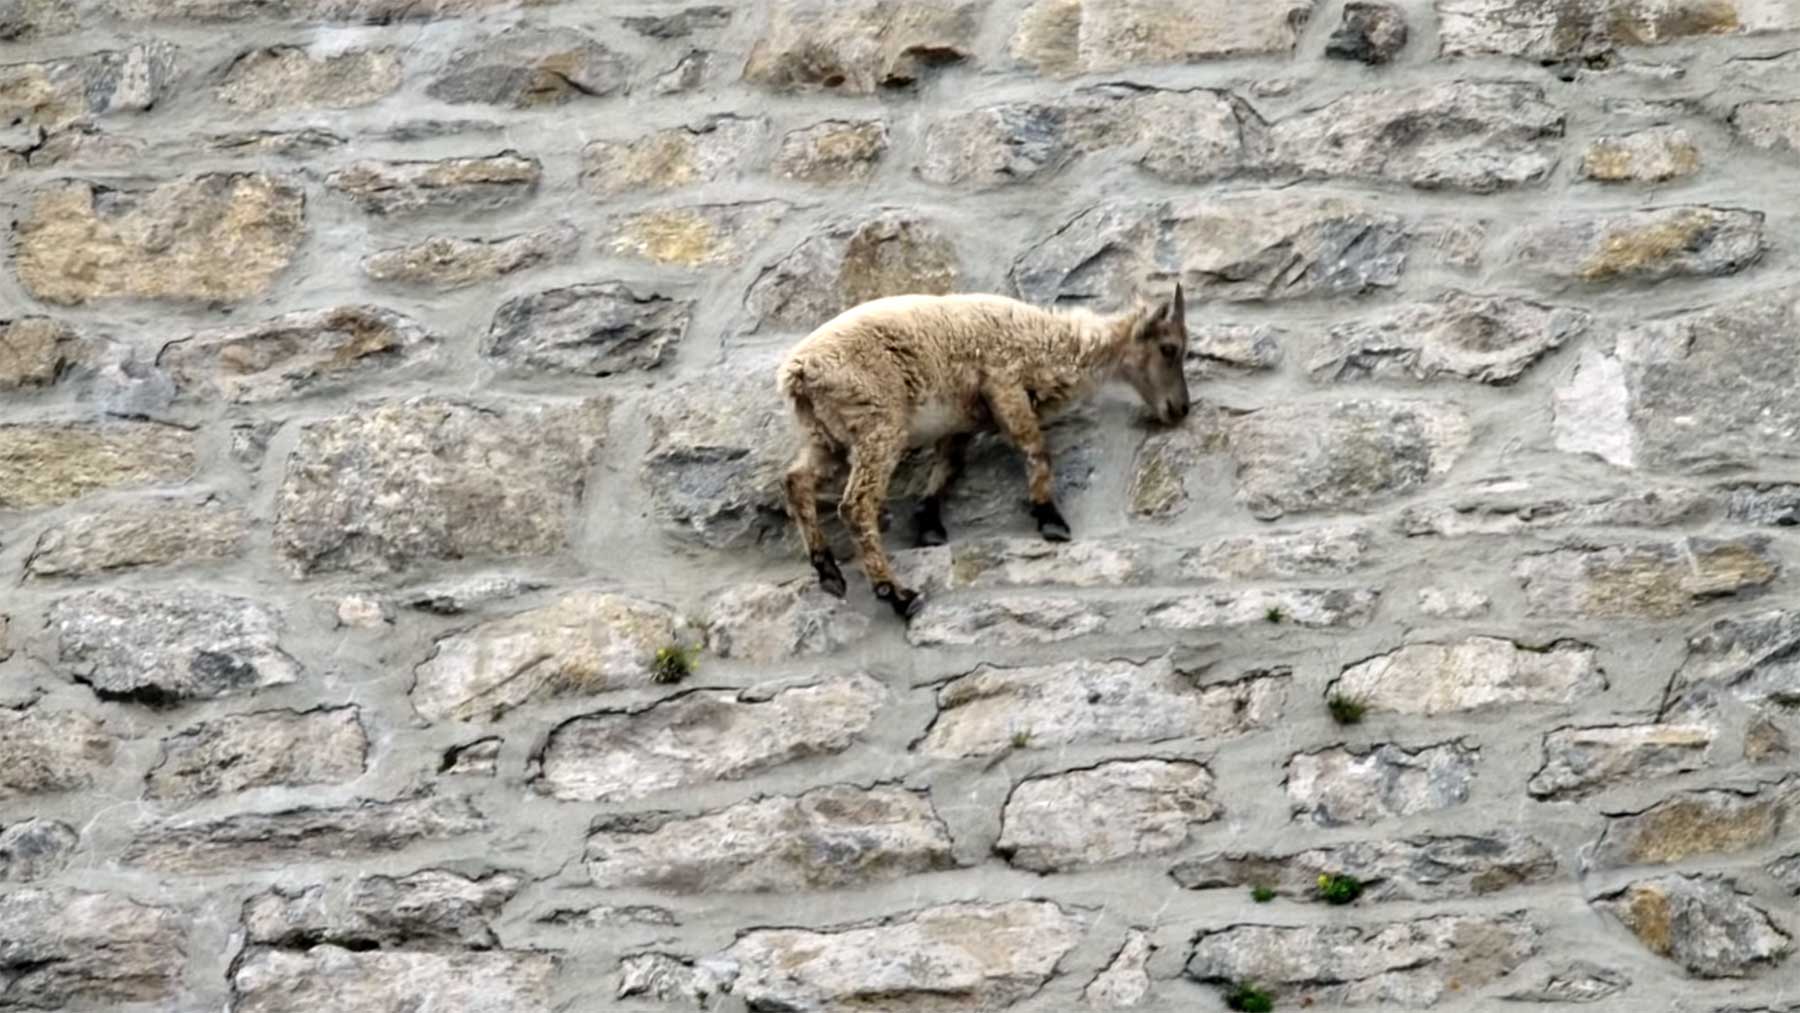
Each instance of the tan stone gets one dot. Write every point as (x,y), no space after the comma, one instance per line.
(859,46)
(289,77)
(152,533)
(669,159)
(34,352)
(835,151)
(699,236)
(1647,156)
(305,352)
(1067,37)
(447,262)
(45,464)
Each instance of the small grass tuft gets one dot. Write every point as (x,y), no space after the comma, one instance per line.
(1021,739)
(1249,999)
(1335,888)
(1262,894)
(1273,614)
(1345,710)
(673,663)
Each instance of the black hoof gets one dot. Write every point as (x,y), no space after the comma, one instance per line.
(1050,522)
(928,525)
(932,536)
(905,603)
(831,579)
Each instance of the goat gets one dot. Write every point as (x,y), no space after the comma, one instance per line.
(905,371)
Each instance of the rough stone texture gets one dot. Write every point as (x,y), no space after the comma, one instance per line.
(1507,506)
(1555,32)
(309,352)
(1657,155)
(169,645)
(1343,785)
(1576,981)
(663,978)
(283,981)
(1414,869)
(396,484)
(858,46)
(668,159)
(292,77)
(1371,33)
(1303,607)
(46,751)
(1704,925)
(704,736)
(407,188)
(830,838)
(34,849)
(1116,810)
(428,909)
(106,948)
(1489,339)
(1413,964)
(833,152)
(981,956)
(264,748)
(447,263)
(1004,622)
(208,846)
(772,622)
(1473,674)
(1065,37)
(153,533)
(36,352)
(216,238)
(1749,657)
(1643,246)
(526,68)
(701,235)
(1697,823)
(1581,760)
(1651,580)
(591,330)
(57,93)
(888,253)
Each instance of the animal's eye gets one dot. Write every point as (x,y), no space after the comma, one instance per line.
(1171,352)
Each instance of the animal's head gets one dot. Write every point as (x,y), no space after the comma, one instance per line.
(1154,358)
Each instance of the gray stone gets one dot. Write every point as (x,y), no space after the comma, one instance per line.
(1463,135)
(1343,785)
(531,68)
(665,978)
(427,910)
(1769,126)
(300,353)
(305,142)
(1425,868)
(858,47)
(1649,245)
(1553,32)
(991,709)
(590,330)
(394,485)
(383,981)
(969,955)
(447,263)
(212,238)
(1765,504)
(465,185)
(700,235)
(48,464)
(718,447)
(1116,810)
(1704,925)
(291,77)
(1697,823)
(1032,562)
(209,845)
(1126,981)
(1509,506)
(1315,608)
(714,148)
(680,24)
(890,252)
(152,533)
(480,758)
(687,74)
(1012,621)
(24,20)
(1648,580)
(1259,246)
(1068,37)
(1278,555)
(1654,155)
(1578,761)
(1310,457)
(1749,657)
(243,751)
(1488,339)
(584,642)
(170,644)
(1371,33)
(455,597)
(1474,674)
(84,147)
(1575,981)
(62,948)
(44,751)
(765,622)
(705,736)
(36,352)
(833,152)
(1766,742)
(1413,964)
(830,838)
(370,12)
(56,93)
(1221,350)
(35,848)
(1786,871)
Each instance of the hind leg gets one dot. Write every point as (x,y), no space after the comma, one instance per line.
(872,463)
(816,460)
(946,464)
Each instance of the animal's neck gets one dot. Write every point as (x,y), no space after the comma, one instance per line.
(1100,343)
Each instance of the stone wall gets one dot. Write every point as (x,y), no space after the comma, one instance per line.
(385,383)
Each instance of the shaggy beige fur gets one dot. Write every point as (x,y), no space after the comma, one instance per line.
(910,370)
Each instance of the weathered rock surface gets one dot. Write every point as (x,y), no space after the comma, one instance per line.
(705,736)
(701,235)
(467,185)
(664,978)
(35,848)
(243,751)
(1471,674)
(305,352)
(1341,785)
(833,152)
(480,758)
(1371,32)
(209,846)
(590,330)
(1576,981)
(1116,810)
(1413,964)
(1255,247)
(1578,761)
(1488,339)
(1697,823)
(1308,607)
(584,642)
(890,252)
(396,484)
(1648,580)
(153,533)
(455,597)
(531,68)
(718,447)
(1643,246)
(766,622)
(1507,506)
(285,981)
(1702,924)
(830,838)
(44,751)
(56,93)
(1310,457)
(447,263)
(218,237)
(36,352)
(1656,155)
(858,46)
(47,464)
(1750,657)
(63,947)
(291,77)
(1067,37)
(1786,871)
(1557,32)
(1013,621)
(667,159)
(979,956)
(1031,562)
(1423,868)
(429,909)
(1280,555)
(1126,981)
(170,644)
(981,713)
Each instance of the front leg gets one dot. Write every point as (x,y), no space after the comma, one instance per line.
(1013,414)
(946,463)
